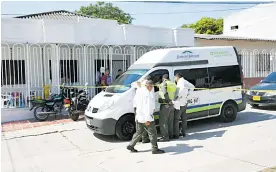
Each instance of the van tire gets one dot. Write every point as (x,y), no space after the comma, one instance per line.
(125,127)
(228,112)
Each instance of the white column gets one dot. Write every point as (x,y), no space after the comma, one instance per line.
(132,55)
(28,65)
(55,69)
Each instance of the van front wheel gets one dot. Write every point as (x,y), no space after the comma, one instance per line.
(228,112)
(125,127)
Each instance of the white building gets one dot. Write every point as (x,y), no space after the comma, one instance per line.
(56,47)
(256,22)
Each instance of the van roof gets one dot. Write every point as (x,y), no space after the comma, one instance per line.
(212,55)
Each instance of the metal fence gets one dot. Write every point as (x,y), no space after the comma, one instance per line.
(28,70)
(258,63)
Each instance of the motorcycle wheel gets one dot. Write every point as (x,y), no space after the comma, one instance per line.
(41,117)
(73,116)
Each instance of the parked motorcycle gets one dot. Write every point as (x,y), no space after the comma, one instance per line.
(76,104)
(43,108)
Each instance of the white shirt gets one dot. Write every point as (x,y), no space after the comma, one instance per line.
(144,102)
(184,89)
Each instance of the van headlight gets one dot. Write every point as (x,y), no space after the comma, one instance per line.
(106,105)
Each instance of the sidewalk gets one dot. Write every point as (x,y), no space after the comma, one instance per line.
(32,123)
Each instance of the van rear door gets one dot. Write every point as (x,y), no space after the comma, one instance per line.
(225,84)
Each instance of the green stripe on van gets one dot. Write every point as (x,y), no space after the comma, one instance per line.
(203,108)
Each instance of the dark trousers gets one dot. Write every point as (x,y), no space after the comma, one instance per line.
(145,135)
(180,114)
(151,131)
(166,115)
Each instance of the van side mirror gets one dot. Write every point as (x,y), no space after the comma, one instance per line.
(261,81)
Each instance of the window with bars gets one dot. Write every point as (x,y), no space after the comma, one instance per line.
(263,62)
(13,71)
(68,70)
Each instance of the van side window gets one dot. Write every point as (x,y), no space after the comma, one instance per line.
(157,77)
(198,77)
(224,76)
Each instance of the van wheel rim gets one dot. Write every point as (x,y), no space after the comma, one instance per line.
(229,112)
(128,128)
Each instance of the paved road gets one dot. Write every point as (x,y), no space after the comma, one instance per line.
(246,145)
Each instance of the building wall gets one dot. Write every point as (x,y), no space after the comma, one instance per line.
(255,22)
(92,32)
(239,44)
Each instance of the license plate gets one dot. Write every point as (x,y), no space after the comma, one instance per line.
(256,98)
(88,121)
(67,105)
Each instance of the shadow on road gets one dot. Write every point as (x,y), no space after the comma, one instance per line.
(112,139)
(268,108)
(204,136)
(242,118)
(180,148)
(177,149)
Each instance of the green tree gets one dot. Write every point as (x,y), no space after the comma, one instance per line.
(106,11)
(207,25)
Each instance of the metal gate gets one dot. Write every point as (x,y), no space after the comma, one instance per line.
(33,70)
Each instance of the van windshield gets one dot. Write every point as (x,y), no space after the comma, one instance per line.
(123,83)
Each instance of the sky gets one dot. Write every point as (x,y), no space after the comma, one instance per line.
(172,15)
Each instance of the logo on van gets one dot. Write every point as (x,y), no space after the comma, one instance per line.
(220,53)
(187,55)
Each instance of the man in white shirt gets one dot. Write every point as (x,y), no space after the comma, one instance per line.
(144,107)
(145,137)
(184,89)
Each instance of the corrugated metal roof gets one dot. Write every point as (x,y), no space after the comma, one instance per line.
(224,37)
(55,15)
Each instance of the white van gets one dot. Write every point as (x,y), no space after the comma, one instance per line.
(111,111)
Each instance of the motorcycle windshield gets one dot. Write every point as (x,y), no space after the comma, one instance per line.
(123,83)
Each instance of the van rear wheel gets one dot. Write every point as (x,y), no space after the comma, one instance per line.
(125,127)
(228,112)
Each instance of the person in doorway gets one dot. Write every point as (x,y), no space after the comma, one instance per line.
(145,137)
(106,78)
(120,72)
(167,91)
(144,107)
(184,89)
